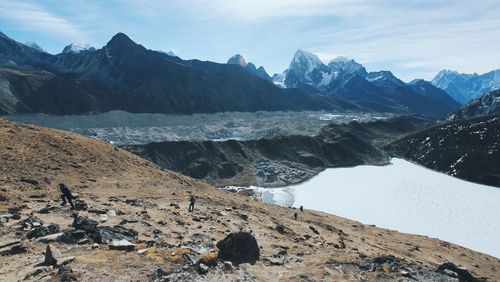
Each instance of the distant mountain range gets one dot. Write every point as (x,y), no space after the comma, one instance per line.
(123,75)
(467,87)
(379,91)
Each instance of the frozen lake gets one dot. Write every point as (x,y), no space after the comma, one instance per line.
(404,197)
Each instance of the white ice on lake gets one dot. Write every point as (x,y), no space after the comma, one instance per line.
(404,197)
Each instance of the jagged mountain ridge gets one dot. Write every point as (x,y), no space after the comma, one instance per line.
(123,75)
(467,87)
(250,67)
(378,91)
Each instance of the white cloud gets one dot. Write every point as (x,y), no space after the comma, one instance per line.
(34,18)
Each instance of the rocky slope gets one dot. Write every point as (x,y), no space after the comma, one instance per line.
(124,75)
(281,160)
(467,149)
(131,198)
(488,104)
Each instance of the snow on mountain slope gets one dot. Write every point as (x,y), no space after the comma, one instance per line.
(34,45)
(467,87)
(77,48)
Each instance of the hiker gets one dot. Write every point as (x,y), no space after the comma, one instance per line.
(295,216)
(66,195)
(301,208)
(192,200)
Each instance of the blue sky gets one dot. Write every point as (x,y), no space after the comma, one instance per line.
(412,38)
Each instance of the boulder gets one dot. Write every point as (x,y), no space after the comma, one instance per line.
(13,249)
(202,268)
(239,248)
(51,237)
(80,205)
(43,230)
(121,245)
(459,272)
(86,224)
(52,254)
(117,232)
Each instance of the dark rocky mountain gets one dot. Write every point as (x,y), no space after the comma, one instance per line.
(467,87)
(488,104)
(377,91)
(124,75)
(29,90)
(280,160)
(250,67)
(467,149)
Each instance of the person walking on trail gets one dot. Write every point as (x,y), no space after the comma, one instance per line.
(66,195)
(301,209)
(192,200)
(295,216)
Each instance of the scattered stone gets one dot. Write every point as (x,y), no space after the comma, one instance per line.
(65,273)
(275,260)
(239,248)
(142,251)
(121,245)
(134,202)
(451,269)
(314,229)
(117,232)
(43,230)
(84,241)
(228,265)
(202,268)
(98,211)
(13,249)
(80,205)
(103,218)
(243,216)
(176,206)
(51,237)
(281,229)
(47,209)
(52,255)
(30,181)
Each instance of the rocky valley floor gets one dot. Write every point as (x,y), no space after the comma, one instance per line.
(131,198)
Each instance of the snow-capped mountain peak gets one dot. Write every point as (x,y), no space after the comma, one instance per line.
(306,59)
(34,45)
(237,60)
(348,66)
(77,48)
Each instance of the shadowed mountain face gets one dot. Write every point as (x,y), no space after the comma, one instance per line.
(280,160)
(124,75)
(488,104)
(468,149)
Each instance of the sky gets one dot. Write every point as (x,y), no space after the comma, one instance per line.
(411,38)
